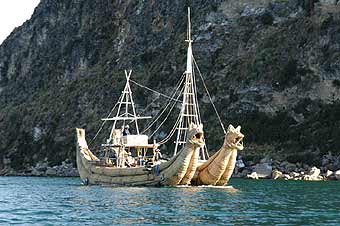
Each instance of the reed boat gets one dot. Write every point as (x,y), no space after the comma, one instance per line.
(172,172)
(134,159)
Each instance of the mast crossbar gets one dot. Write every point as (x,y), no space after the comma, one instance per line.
(126,118)
(126,108)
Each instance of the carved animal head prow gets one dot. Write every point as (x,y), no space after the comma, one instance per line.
(195,134)
(234,138)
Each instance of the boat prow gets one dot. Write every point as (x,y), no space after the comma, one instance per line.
(218,169)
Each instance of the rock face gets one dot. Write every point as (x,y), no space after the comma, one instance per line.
(328,2)
(313,175)
(274,169)
(330,162)
(271,65)
(276,174)
(337,174)
(253,175)
(263,170)
(42,169)
(329,175)
(286,177)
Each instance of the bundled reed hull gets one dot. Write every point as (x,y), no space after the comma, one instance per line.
(171,172)
(218,169)
(186,180)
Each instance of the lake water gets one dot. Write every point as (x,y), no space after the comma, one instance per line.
(64,201)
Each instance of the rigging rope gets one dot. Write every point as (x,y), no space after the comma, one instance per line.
(146,108)
(205,149)
(167,116)
(167,105)
(211,101)
(101,127)
(196,99)
(152,90)
(172,131)
(161,94)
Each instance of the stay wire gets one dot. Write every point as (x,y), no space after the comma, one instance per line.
(172,131)
(167,116)
(208,93)
(167,105)
(102,125)
(152,90)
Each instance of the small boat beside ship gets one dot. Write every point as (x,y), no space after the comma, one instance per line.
(190,163)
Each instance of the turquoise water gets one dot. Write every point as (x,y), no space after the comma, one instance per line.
(64,201)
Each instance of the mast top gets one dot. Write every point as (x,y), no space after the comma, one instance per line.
(189,53)
(189,28)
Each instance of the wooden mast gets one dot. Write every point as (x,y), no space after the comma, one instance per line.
(127,101)
(189,110)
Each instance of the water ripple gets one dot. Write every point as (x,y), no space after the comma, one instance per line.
(63,201)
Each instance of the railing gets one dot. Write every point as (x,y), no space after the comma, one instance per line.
(137,162)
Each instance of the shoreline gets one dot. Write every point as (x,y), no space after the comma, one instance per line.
(266,168)
(42,169)
(242,178)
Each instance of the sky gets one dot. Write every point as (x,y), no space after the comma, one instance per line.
(14,13)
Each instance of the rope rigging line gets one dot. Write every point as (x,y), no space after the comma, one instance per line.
(205,149)
(167,105)
(167,116)
(152,90)
(211,101)
(146,108)
(153,101)
(102,125)
(196,99)
(172,131)
(161,94)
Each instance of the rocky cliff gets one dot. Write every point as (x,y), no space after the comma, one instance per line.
(272,66)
